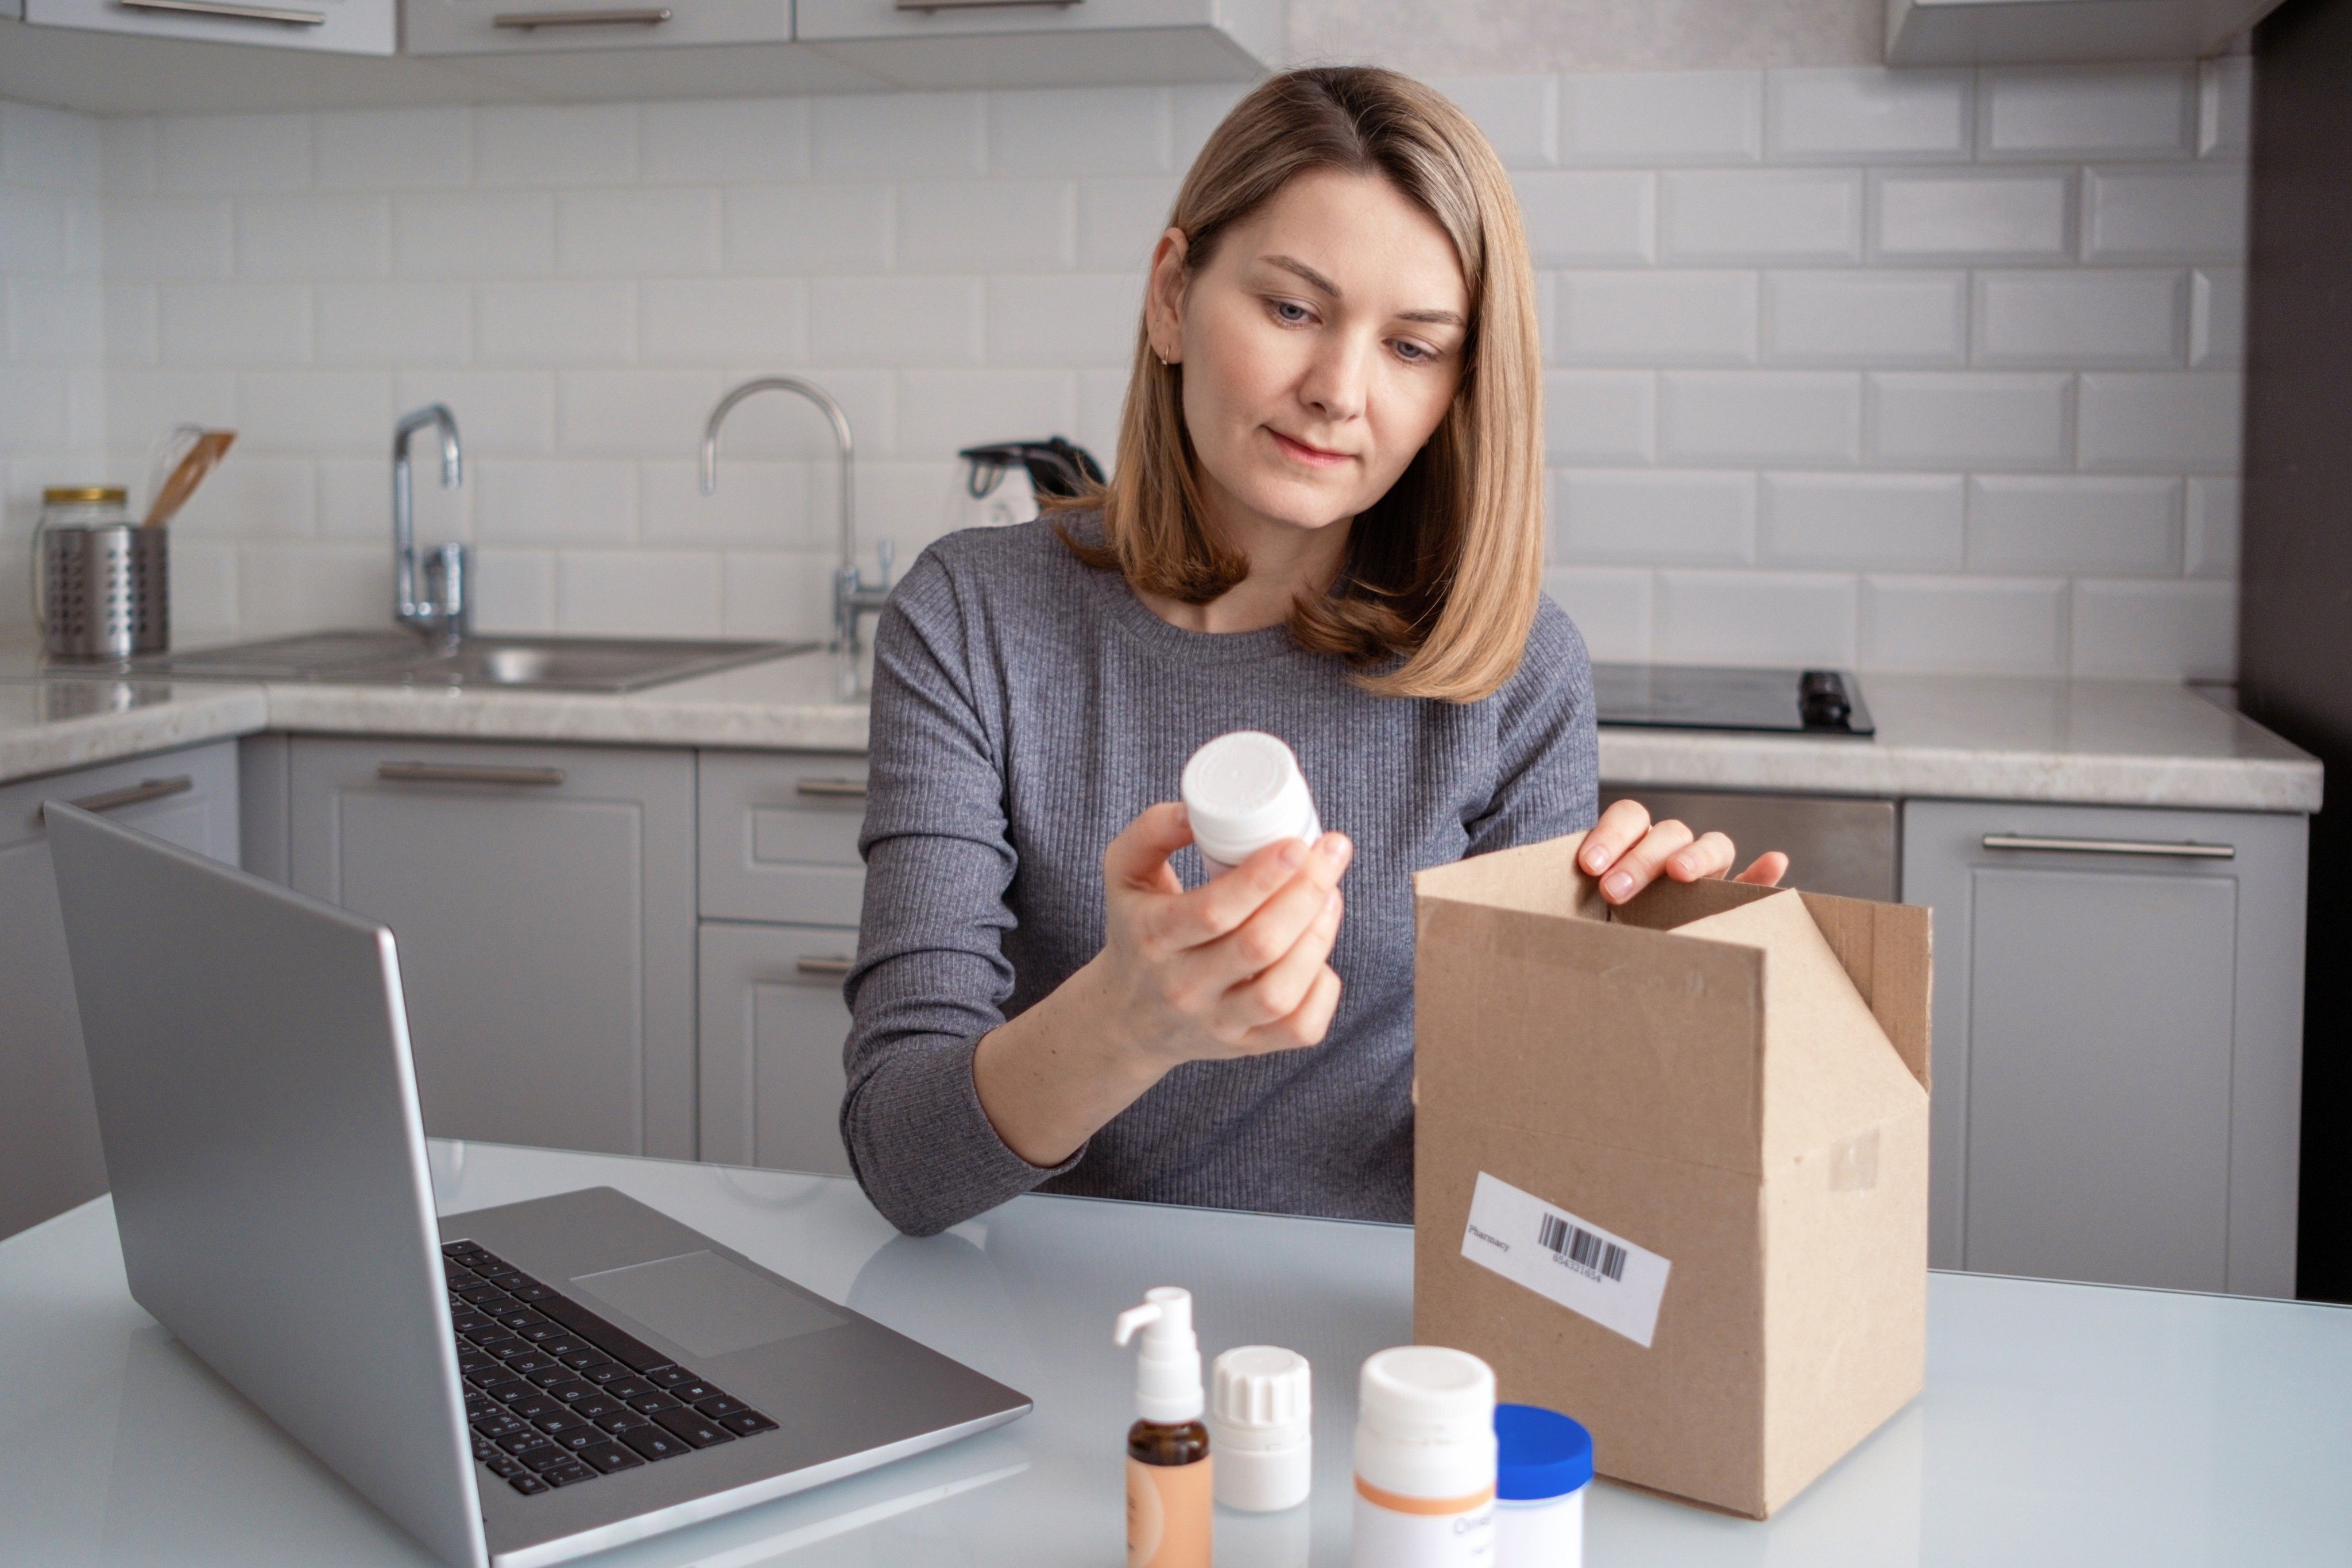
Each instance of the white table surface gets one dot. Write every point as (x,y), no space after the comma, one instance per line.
(2063,1423)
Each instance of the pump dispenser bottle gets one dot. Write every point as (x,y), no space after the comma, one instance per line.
(1170,1492)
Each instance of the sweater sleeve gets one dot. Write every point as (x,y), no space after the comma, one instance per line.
(1548,782)
(930,977)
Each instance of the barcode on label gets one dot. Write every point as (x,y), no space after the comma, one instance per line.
(1581,1246)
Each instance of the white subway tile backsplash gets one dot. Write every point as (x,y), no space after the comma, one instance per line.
(2159,630)
(572,501)
(537,324)
(2194,213)
(1997,626)
(1856,317)
(897,136)
(214,154)
(1588,216)
(1760,215)
(133,335)
(474,234)
(1198,109)
(1120,220)
(1610,605)
(2211,546)
(1661,117)
(251,497)
(1856,113)
(308,413)
(808,228)
(313,236)
(1657,318)
(86,410)
(741,141)
(2225,106)
(514,591)
(33,406)
(53,321)
(762,505)
(142,405)
(991,225)
(895,320)
(555,144)
(773,595)
(2135,111)
(49,149)
(1653,514)
(629,234)
(1519,115)
(85,237)
(722,321)
(1867,522)
(394,324)
(2183,421)
(638,593)
(2102,317)
(426,148)
(942,411)
(1084,320)
(633,413)
(2025,525)
(32,233)
(355,499)
(499,413)
(909,503)
(2217,317)
(203,590)
(1754,617)
(1600,417)
(147,237)
(1783,418)
(1079,130)
(235,323)
(1968,419)
(287,587)
(127,152)
(1962,217)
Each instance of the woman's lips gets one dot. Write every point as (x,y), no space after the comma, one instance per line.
(1299,451)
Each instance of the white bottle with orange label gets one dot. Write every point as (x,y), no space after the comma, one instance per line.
(1425,1461)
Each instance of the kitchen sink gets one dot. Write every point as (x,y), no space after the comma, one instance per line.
(399,658)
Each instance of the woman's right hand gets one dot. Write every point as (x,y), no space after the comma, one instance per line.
(1236,966)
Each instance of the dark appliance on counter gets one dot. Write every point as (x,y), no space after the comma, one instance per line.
(1719,697)
(2295,582)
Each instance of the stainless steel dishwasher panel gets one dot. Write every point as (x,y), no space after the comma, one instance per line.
(1835,843)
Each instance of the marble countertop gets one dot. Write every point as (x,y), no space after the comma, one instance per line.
(2112,743)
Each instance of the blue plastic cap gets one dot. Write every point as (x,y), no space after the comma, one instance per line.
(1543,1453)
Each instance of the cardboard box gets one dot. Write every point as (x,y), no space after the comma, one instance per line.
(1671,1164)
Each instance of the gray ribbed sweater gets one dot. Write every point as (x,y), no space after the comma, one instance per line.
(1026,708)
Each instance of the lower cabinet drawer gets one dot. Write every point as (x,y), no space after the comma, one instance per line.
(774,1023)
(779,837)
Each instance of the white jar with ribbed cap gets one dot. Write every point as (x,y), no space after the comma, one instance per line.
(1242,791)
(1260,1419)
(1425,1457)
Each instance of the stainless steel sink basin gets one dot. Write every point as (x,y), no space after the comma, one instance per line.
(400,658)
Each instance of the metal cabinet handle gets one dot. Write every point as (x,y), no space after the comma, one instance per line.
(982,4)
(2175,850)
(527,21)
(838,788)
(227,13)
(135,794)
(830,964)
(466,773)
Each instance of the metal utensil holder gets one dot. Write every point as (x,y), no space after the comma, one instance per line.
(101,591)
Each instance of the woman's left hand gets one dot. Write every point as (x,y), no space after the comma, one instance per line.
(1627,850)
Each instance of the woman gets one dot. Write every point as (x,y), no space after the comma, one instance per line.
(1327,523)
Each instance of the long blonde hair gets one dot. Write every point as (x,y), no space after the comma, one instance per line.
(1445,570)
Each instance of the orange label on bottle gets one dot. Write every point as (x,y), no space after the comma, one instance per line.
(1169,1513)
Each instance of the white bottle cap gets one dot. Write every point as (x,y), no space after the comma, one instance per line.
(1168,1370)
(1243,791)
(1259,1428)
(1425,1422)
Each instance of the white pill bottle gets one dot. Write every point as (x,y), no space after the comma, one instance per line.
(1243,791)
(1425,1455)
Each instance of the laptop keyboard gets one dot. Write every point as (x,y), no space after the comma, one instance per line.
(556,1394)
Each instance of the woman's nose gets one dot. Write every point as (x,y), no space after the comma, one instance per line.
(1334,386)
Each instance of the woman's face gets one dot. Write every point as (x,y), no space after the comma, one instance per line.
(1322,346)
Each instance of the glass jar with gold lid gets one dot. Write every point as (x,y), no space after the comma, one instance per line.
(100,583)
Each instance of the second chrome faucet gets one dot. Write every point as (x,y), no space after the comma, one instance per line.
(442,612)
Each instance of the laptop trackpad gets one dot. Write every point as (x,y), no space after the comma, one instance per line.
(704,1302)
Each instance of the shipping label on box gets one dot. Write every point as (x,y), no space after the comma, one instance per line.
(1671,1163)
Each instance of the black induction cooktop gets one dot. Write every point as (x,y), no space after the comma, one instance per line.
(1722,697)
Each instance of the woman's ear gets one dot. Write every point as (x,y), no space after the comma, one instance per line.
(1163,302)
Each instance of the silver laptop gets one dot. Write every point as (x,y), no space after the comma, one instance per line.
(517,1385)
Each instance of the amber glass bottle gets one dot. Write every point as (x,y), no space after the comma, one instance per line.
(1171,1486)
(1160,1443)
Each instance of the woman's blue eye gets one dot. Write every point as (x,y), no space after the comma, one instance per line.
(1414,353)
(1282,308)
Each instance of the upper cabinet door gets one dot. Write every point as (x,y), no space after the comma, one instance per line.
(527,26)
(1012,43)
(341,27)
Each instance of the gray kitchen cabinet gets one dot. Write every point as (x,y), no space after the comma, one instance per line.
(2117,1048)
(780,837)
(544,899)
(773,1026)
(49,1153)
(342,27)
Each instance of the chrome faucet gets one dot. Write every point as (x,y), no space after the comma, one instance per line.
(444,614)
(853,595)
